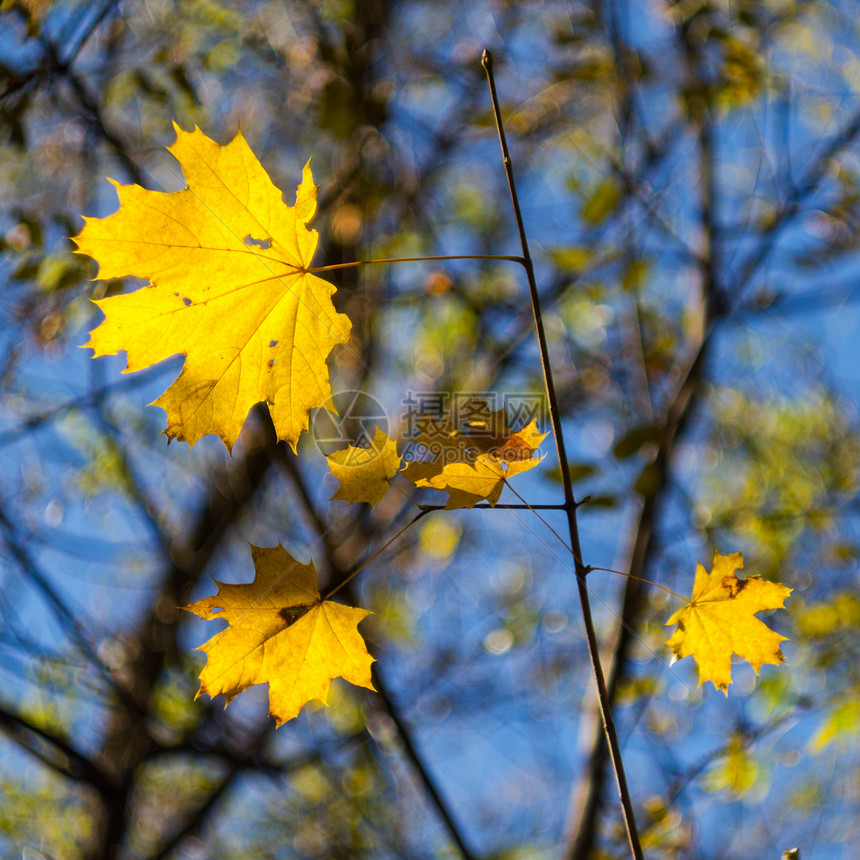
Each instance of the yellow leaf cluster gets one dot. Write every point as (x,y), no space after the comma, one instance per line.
(226,260)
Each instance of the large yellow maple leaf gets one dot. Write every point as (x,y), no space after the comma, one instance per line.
(226,259)
(720,621)
(472,462)
(281,633)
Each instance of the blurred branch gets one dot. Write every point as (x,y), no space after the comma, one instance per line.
(92,26)
(79,630)
(90,106)
(126,739)
(792,205)
(93,398)
(134,486)
(717,308)
(820,298)
(238,763)
(583,829)
(409,747)
(53,750)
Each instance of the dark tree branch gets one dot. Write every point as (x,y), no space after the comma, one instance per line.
(54,751)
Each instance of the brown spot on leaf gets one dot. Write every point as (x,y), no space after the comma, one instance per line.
(291,614)
(734,585)
(514,448)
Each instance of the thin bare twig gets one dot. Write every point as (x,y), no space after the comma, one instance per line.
(580,568)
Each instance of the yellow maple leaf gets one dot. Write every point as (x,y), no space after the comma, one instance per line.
(226,259)
(720,621)
(365,473)
(282,634)
(472,463)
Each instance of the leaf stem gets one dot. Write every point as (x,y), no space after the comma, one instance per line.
(405,494)
(379,552)
(646,581)
(570,502)
(353,264)
(561,539)
(498,507)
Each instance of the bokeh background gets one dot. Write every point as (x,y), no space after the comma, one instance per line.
(690,180)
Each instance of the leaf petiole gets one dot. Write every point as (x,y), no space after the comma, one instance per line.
(560,538)
(353,264)
(646,581)
(379,552)
(407,496)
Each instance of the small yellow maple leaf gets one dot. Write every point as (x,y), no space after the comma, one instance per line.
(472,463)
(365,473)
(720,621)
(282,634)
(226,259)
